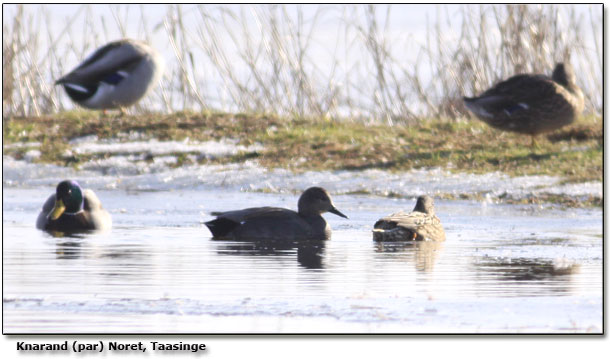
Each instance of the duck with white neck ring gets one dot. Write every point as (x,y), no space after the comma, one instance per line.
(72,209)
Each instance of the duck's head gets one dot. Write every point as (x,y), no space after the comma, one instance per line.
(315,201)
(68,199)
(563,74)
(425,204)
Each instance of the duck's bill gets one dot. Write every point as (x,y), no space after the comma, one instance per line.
(336,211)
(58,210)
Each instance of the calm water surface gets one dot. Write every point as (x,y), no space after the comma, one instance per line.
(503,268)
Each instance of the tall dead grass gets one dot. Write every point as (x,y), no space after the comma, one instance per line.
(276,58)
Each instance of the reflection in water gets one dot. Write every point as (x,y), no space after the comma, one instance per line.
(127,260)
(153,266)
(310,254)
(68,250)
(58,234)
(81,249)
(422,254)
(526,269)
(527,273)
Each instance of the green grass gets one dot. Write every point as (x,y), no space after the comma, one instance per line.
(575,152)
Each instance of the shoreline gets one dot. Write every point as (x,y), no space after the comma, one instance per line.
(570,156)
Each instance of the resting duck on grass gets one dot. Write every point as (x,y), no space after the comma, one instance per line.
(71,209)
(420,225)
(530,104)
(117,75)
(272,223)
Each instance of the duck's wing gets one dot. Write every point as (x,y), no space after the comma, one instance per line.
(109,63)
(94,213)
(390,221)
(244,214)
(42,219)
(91,201)
(226,222)
(515,96)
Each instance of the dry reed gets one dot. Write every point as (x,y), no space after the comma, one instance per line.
(269,58)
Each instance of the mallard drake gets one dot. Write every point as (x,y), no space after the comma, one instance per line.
(531,104)
(272,223)
(421,225)
(116,75)
(71,209)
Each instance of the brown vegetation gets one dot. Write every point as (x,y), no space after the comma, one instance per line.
(272,46)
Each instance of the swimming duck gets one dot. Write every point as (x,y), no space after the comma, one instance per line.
(71,209)
(421,225)
(116,75)
(531,104)
(272,223)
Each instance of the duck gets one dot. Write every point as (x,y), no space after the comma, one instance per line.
(420,225)
(72,209)
(531,104)
(115,76)
(273,223)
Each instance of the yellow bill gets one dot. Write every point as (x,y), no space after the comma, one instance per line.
(57,210)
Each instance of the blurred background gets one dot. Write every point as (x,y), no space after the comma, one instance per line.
(374,63)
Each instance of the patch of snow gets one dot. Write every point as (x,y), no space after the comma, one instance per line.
(136,172)
(224,147)
(31,155)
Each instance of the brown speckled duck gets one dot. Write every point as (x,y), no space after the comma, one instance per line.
(421,225)
(530,104)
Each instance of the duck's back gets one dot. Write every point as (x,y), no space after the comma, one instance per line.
(529,104)
(409,226)
(118,74)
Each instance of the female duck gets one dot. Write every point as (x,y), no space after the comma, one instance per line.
(72,209)
(531,104)
(272,223)
(117,75)
(421,225)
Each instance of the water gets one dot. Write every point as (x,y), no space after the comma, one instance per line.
(503,268)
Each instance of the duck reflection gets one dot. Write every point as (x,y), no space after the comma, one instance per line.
(525,276)
(68,250)
(422,254)
(78,235)
(527,269)
(68,245)
(76,245)
(310,254)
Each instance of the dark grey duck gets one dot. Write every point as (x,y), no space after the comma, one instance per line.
(272,223)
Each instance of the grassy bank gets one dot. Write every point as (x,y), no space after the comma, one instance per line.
(575,153)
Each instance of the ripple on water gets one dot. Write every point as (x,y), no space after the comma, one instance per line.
(503,268)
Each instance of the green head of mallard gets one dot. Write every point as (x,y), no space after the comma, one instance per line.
(68,199)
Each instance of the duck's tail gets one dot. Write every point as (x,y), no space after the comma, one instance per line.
(220,227)
(477,105)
